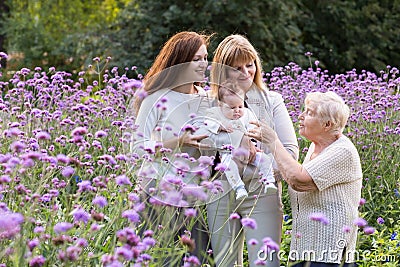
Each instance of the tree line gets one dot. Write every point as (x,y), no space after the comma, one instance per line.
(341,35)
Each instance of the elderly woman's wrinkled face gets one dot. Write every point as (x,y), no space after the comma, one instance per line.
(310,125)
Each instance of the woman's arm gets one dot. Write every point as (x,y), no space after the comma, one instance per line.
(147,120)
(292,171)
(283,125)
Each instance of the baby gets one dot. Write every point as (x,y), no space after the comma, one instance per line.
(233,117)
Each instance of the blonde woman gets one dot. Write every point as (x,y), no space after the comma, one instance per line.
(235,58)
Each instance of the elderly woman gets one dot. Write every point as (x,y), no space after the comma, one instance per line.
(325,190)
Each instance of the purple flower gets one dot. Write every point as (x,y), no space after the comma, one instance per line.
(10,224)
(319,217)
(32,155)
(43,136)
(252,242)
(270,244)
(122,180)
(380,220)
(191,260)
(62,227)
(149,242)
(81,242)
(5,179)
(45,198)
(79,131)
(141,93)
(361,202)
(109,159)
(249,223)
(181,166)
(227,147)
(100,134)
(145,257)
(13,161)
(189,128)
(396,192)
(114,263)
(360,222)
(62,158)
(197,192)
(121,157)
(85,185)
(148,233)
(17,146)
(369,230)
(221,167)
(132,215)
(124,252)
(260,262)
(205,161)
(172,198)
(28,163)
(73,253)
(67,171)
(38,229)
(190,212)
(234,216)
(100,201)
(133,197)
(3,55)
(33,243)
(80,215)
(37,261)
(133,84)
(13,131)
(95,227)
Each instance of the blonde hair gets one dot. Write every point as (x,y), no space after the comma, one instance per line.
(330,107)
(232,51)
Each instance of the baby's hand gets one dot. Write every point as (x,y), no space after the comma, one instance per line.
(226,128)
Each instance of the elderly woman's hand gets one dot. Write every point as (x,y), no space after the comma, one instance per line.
(263,133)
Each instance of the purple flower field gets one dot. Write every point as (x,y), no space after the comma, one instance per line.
(68,194)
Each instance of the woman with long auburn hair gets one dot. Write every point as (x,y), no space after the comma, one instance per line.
(166,107)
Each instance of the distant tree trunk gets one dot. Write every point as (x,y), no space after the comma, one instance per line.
(4,11)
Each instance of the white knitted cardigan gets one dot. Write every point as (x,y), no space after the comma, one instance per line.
(337,173)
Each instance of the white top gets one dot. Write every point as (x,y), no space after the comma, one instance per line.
(337,173)
(215,118)
(162,116)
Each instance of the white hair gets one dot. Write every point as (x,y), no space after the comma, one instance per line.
(330,107)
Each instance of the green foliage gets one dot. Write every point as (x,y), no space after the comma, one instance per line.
(346,34)
(54,33)
(148,25)
(342,34)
